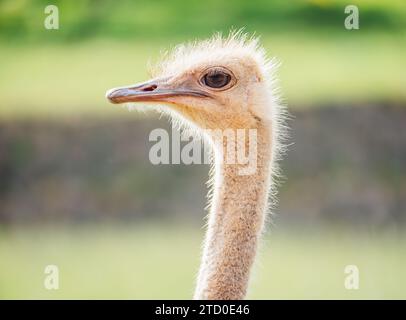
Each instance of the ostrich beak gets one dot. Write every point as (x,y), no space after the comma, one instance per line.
(158,90)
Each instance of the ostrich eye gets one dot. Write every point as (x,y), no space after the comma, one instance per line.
(216,79)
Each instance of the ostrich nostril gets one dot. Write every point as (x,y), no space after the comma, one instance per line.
(149,88)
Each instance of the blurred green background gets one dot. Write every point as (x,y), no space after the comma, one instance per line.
(77,189)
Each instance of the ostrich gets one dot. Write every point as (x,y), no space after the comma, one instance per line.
(223,83)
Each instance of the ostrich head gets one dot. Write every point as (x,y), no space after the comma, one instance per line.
(220,83)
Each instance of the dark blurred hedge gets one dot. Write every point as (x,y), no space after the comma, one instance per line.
(346,166)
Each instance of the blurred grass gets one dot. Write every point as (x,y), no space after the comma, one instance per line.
(161,262)
(59,80)
(53,73)
(22,20)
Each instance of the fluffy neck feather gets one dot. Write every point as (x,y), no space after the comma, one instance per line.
(235,223)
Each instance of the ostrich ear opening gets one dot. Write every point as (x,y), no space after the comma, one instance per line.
(153,90)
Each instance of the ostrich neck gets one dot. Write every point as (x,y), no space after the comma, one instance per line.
(235,223)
